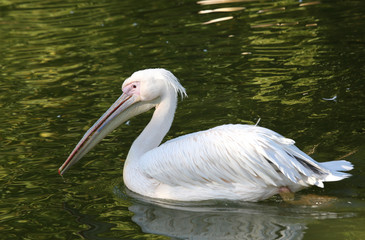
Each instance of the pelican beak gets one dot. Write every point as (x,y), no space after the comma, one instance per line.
(118,113)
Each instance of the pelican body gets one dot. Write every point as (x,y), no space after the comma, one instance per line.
(236,162)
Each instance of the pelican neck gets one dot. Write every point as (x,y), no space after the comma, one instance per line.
(153,134)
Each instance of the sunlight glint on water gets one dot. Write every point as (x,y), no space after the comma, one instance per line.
(297,65)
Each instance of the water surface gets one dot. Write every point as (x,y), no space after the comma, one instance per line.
(296,65)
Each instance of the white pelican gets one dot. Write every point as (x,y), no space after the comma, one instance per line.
(236,162)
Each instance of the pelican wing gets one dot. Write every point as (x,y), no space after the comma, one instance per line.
(232,154)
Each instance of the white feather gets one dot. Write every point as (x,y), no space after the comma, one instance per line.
(242,161)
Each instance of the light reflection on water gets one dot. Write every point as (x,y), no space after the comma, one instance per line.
(228,220)
(205,223)
(62,64)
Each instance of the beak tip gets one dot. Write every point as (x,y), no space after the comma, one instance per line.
(59,172)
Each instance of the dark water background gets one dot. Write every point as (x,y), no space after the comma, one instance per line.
(297,65)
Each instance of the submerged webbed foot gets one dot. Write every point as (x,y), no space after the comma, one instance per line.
(305,200)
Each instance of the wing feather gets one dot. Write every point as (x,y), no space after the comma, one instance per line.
(229,154)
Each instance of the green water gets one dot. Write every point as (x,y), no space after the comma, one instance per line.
(62,64)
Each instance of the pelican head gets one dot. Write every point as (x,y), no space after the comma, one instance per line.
(142,91)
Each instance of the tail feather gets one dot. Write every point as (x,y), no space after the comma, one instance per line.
(336,168)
